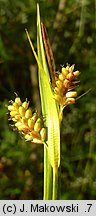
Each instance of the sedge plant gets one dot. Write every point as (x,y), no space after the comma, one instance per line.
(56,92)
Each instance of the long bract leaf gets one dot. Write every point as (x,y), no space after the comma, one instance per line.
(51,115)
(48,172)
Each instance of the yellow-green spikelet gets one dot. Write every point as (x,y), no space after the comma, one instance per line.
(28,123)
(66,82)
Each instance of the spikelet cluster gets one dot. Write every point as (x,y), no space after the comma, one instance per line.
(66,82)
(28,123)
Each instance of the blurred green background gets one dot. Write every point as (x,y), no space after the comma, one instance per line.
(71,27)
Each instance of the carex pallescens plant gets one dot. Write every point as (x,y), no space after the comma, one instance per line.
(56,91)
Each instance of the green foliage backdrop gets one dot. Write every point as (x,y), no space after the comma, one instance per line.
(71,27)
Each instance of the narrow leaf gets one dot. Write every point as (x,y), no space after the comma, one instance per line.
(52,115)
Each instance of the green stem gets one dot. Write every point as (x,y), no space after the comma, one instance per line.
(45,173)
(55,183)
(47,176)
